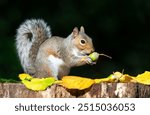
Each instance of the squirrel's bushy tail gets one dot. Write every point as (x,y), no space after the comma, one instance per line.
(30,35)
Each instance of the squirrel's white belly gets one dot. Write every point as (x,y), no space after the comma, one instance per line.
(54,64)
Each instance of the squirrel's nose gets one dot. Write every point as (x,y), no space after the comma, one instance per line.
(92,50)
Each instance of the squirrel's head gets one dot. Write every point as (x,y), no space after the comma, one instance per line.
(82,42)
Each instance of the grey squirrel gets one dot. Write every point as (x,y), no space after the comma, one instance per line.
(44,55)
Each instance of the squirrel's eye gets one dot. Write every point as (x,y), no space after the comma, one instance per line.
(83,41)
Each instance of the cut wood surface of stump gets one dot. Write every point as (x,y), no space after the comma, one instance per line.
(101,90)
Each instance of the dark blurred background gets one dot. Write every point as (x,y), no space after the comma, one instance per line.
(119,28)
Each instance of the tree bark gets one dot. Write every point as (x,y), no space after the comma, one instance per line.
(102,90)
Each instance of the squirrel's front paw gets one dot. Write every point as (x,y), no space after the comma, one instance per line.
(87,60)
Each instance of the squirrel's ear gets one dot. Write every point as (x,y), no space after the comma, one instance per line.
(75,32)
(82,29)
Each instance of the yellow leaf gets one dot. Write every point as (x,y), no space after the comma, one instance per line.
(111,78)
(108,79)
(36,84)
(75,82)
(101,80)
(126,78)
(143,78)
(116,77)
(25,76)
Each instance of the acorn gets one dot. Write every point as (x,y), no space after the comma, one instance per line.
(94,56)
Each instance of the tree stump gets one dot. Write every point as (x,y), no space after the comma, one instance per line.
(102,90)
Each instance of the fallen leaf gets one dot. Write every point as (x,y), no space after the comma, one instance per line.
(143,78)
(101,80)
(75,82)
(25,76)
(126,78)
(36,84)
